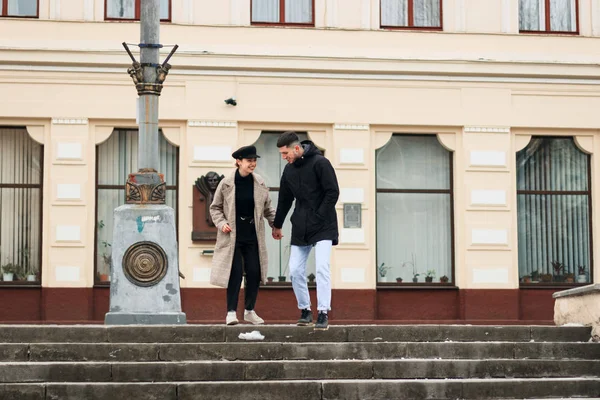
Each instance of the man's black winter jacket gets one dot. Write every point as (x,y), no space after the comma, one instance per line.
(312,182)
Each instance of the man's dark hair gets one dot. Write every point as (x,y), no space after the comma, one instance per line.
(287,138)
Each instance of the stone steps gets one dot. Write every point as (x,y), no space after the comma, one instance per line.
(355,389)
(345,362)
(293,370)
(286,333)
(295,351)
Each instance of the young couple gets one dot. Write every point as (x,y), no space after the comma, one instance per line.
(242,201)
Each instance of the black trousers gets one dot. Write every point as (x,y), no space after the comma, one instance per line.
(245,257)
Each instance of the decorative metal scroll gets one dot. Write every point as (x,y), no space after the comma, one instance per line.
(145,187)
(145,263)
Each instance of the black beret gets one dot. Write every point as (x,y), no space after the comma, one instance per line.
(245,152)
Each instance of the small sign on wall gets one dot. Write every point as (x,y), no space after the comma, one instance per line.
(352,215)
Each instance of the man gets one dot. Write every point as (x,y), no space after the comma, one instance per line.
(310,179)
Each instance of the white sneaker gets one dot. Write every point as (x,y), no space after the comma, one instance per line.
(250,316)
(231,318)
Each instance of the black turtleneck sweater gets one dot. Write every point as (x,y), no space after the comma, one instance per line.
(244,208)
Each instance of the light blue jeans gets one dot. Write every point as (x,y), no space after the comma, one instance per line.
(298,257)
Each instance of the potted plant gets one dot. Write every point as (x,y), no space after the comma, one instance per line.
(430,275)
(382,271)
(107,258)
(28,273)
(526,279)
(546,278)
(444,279)
(581,276)
(399,280)
(8,271)
(413,264)
(558,270)
(270,279)
(569,278)
(535,276)
(311,277)
(281,278)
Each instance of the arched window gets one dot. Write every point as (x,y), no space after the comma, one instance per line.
(21,178)
(270,166)
(115,159)
(414,211)
(554,209)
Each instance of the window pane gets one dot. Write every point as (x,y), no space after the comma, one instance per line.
(394,12)
(413,162)
(120,9)
(108,200)
(265,10)
(22,8)
(164,9)
(531,15)
(20,230)
(563,16)
(20,161)
(118,157)
(553,229)
(298,11)
(427,13)
(552,164)
(414,235)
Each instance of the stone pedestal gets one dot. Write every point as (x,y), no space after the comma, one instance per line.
(579,306)
(144,288)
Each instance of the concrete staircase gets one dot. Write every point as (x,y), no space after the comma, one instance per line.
(345,362)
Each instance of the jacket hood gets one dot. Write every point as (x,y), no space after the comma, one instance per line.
(310,150)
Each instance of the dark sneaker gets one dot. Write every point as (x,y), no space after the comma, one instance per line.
(305,318)
(322,322)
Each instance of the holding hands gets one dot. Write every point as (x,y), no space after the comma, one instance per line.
(277,235)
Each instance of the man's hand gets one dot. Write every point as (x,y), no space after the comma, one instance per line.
(277,235)
(226,228)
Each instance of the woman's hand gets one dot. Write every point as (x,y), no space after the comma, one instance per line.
(226,228)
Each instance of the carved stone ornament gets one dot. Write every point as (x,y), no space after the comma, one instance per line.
(145,263)
(145,187)
(203,195)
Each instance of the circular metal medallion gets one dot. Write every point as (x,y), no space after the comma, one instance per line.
(145,263)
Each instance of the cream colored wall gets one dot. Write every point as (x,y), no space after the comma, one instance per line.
(479,86)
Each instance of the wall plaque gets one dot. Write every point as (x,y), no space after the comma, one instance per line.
(204,193)
(352,215)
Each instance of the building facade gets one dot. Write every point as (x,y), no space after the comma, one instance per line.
(463,134)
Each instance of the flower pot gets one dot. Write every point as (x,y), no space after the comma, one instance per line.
(270,279)
(383,279)
(428,279)
(31,278)
(415,280)
(281,279)
(104,278)
(399,280)
(8,277)
(581,278)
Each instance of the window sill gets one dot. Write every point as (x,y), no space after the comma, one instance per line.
(21,284)
(546,33)
(552,285)
(416,286)
(279,24)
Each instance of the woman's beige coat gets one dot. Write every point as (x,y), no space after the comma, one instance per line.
(222,211)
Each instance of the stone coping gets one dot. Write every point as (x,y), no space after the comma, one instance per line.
(579,291)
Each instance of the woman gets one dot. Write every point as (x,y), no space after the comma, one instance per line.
(241,201)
